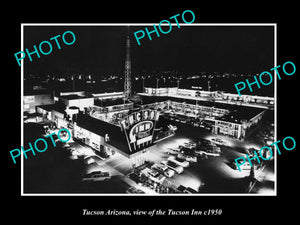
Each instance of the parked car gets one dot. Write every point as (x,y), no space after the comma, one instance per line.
(188,158)
(181,147)
(186,190)
(181,188)
(180,162)
(187,151)
(172,153)
(199,154)
(175,149)
(88,160)
(190,144)
(172,127)
(190,190)
(133,190)
(163,169)
(96,176)
(102,154)
(137,178)
(156,176)
(207,153)
(218,141)
(72,151)
(169,173)
(245,166)
(205,142)
(173,166)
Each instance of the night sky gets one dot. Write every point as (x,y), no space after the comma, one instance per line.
(101,49)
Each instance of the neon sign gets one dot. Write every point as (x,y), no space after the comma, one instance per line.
(138,128)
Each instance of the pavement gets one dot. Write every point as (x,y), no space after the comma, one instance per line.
(210,172)
(214,173)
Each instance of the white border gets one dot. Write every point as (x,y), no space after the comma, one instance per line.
(147,24)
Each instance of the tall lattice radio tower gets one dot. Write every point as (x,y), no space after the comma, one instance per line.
(127,81)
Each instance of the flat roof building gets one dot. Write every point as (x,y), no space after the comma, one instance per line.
(130,138)
(215,96)
(99,134)
(220,118)
(31,99)
(81,102)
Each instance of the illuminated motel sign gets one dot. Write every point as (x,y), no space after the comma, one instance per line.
(139,128)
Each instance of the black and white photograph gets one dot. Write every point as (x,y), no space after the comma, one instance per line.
(135,114)
(149,117)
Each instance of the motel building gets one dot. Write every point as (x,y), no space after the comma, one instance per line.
(131,138)
(109,109)
(229,98)
(112,124)
(235,121)
(106,122)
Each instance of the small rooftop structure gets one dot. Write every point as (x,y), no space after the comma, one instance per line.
(111,102)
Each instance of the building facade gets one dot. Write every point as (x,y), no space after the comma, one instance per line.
(77,101)
(131,138)
(229,98)
(31,100)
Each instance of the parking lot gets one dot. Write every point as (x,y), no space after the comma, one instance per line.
(213,174)
(209,174)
